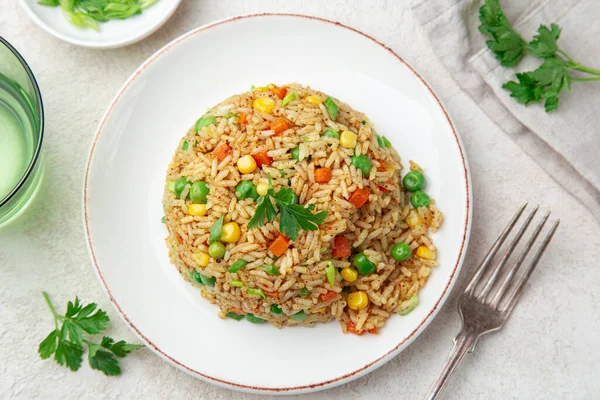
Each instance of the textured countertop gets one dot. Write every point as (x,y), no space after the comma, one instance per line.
(548,349)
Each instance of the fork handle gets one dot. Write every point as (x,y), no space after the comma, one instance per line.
(462,344)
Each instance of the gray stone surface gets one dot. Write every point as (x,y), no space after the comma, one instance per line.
(548,349)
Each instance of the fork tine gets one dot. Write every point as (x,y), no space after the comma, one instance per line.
(514,297)
(492,279)
(490,255)
(506,283)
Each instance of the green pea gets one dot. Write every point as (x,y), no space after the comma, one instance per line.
(271,269)
(303,292)
(276,310)
(198,192)
(363,163)
(295,152)
(205,121)
(233,315)
(180,185)
(299,316)
(255,320)
(236,266)
(363,264)
(419,199)
(216,250)
(331,133)
(244,190)
(401,251)
(413,181)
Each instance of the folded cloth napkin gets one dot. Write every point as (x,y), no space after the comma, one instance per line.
(565,142)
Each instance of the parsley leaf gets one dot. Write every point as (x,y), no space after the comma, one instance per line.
(544,44)
(66,342)
(507,45)
(293,217)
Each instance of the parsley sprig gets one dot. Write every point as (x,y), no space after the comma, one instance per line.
(66,341)
(551,77)
(293,217)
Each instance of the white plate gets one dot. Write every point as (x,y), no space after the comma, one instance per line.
(112,34)
(133,147)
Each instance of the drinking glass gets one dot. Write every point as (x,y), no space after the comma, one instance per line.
(21,133)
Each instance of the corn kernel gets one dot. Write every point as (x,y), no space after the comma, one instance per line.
(316,100)
(262,189)
(358,300)
(349,274)
(197,209)
(230,233)
(246,164)
(261,89)
(413,219)
(264,105)
(201,258)
(348,139)
(426,253)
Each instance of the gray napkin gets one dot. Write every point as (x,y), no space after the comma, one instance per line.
(565,142)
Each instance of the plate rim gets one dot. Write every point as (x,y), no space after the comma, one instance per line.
(101,45)
(371,366)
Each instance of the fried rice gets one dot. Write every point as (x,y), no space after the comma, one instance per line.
(300,290)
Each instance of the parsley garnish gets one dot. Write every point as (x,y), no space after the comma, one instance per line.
(66,342)
(550,78)
(293,217)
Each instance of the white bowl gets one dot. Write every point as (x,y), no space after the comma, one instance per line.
(133,147)
(112,34)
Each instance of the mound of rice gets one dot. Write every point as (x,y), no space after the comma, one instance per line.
(302,284)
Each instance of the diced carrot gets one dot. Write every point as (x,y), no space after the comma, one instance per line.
(242,118)
(383,189)
(322,175)
(238,311)
(374,331)
(222,151)
(179,239)
(341,247)
(279,245)
(328,296)
(279,125)
(381,167)
(262,159)
(274,295)
(279,92)
(352,329)
(359,197)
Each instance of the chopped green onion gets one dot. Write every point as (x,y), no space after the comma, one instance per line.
(255,320)
(414,301)
(171,186)
(258,292)
(236,283)
(332,108)
(185,145)
(215,230)
(282,172)
(271,269)
(303,292)
(299,316)
(289,97)
(363,122)
(180,184)
(208,281)
(229,115)
(163,219)
(197,277)
(275,309)
(387,142)
(330,272)
(205,121)
(233,315)
(236,266)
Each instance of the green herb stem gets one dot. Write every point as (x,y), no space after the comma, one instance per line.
(585,79)
(583,68)
(52,310)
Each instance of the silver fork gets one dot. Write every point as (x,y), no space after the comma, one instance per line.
(481,310)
